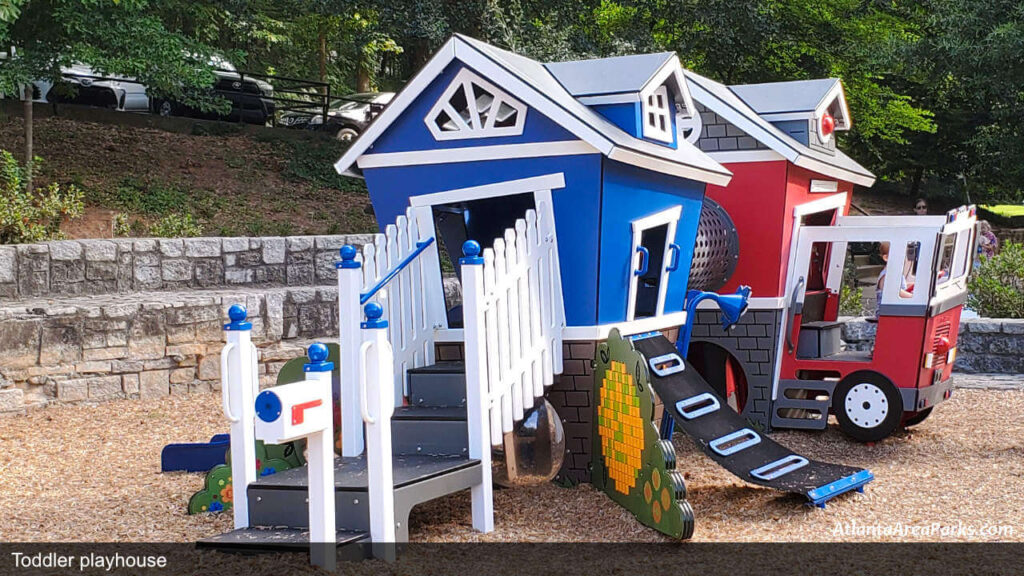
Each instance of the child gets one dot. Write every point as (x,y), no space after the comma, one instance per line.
(883,251)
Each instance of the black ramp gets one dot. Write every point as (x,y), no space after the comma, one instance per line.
(726,437)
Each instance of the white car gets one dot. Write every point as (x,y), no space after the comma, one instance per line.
(80,84)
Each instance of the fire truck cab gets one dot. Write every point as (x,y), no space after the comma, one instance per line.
(919,296)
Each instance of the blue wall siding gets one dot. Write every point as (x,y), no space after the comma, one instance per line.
(410,132)
(631,193)
(626,116)
(576,207)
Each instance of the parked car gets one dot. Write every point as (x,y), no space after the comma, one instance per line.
(80,84)
(347,117)
(252,99)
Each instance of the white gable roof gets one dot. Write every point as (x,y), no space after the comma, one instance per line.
(723,101)
(533,84)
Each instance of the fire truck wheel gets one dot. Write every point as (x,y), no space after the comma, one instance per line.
(868,406)
(915,418)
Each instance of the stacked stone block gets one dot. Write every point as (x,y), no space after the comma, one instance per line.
(753,342)
(120,266)
(718,134)
(984,345)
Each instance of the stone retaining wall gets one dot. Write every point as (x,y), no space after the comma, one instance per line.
(984,345)
(119,266)
(93,320)
(143,346)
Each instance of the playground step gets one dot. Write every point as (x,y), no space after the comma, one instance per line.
(277,539)
(280,499)
(441,384)
(429,430)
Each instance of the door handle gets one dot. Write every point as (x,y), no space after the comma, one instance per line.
(791,315)
(674,259)
(645,259)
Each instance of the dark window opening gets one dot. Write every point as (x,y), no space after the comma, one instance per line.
(649,283)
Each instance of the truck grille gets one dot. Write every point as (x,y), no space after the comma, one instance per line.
(941,331)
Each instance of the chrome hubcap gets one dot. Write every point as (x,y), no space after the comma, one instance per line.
(866,405)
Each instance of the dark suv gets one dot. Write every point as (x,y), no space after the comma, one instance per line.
(252,99)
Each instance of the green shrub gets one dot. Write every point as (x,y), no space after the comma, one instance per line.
(176,226)
(996,288)
(851,300)
(32,216)
(122,225)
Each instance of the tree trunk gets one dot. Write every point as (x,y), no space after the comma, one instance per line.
(915,186)
(28,136)
(362,78)
(323,59)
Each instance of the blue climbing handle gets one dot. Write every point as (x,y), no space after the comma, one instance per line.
(674,262)
(645,260)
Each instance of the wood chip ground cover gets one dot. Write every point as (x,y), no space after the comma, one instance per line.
(92,473)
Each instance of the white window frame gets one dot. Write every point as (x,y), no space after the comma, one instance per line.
(671,217)
(693,121)
(474,128)
(654,131)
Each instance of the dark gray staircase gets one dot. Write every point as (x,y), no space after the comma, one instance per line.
(429,447)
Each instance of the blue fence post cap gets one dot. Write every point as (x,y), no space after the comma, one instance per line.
(471,252)
(348,257)
(317,353)
(237,313)
(373,313)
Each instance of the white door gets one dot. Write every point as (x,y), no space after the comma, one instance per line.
(655,256)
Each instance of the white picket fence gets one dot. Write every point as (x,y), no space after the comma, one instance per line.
(516,318)
(413,302)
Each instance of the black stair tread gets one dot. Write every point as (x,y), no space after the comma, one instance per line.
(430,413)
(350,473)
(273,538)
(822,324)
(446,367)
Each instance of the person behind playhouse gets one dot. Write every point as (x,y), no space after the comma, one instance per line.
(921,207)
(905,289)
(988,244)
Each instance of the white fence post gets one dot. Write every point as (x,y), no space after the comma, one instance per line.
(350,281)
(305,410)
(376,383)
(477,390)
(323,531)
(239,383)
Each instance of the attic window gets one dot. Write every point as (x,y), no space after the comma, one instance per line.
(472,107)
(657,115)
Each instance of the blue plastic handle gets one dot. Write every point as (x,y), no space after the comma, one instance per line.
(674,262)
(644,261)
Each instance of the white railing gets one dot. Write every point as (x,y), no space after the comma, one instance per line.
(513,317)
(400,269)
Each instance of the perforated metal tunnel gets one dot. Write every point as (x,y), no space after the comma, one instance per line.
(716,249)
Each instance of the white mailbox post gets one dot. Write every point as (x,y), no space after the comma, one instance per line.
(304,410)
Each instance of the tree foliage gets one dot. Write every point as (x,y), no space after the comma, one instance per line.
(32,216)
(936,87)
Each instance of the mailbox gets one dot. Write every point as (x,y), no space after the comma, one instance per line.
(292,411)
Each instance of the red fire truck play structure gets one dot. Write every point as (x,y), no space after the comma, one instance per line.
(781,227)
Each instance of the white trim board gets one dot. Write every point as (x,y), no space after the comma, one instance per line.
(627,156)
(547,183)
(601,331)
(735,156)
(762,303)
(618,98)
(588,333)
(476,154)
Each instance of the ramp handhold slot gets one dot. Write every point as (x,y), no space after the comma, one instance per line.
(734,442)
(773,470)
(667,364)
(697,406)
